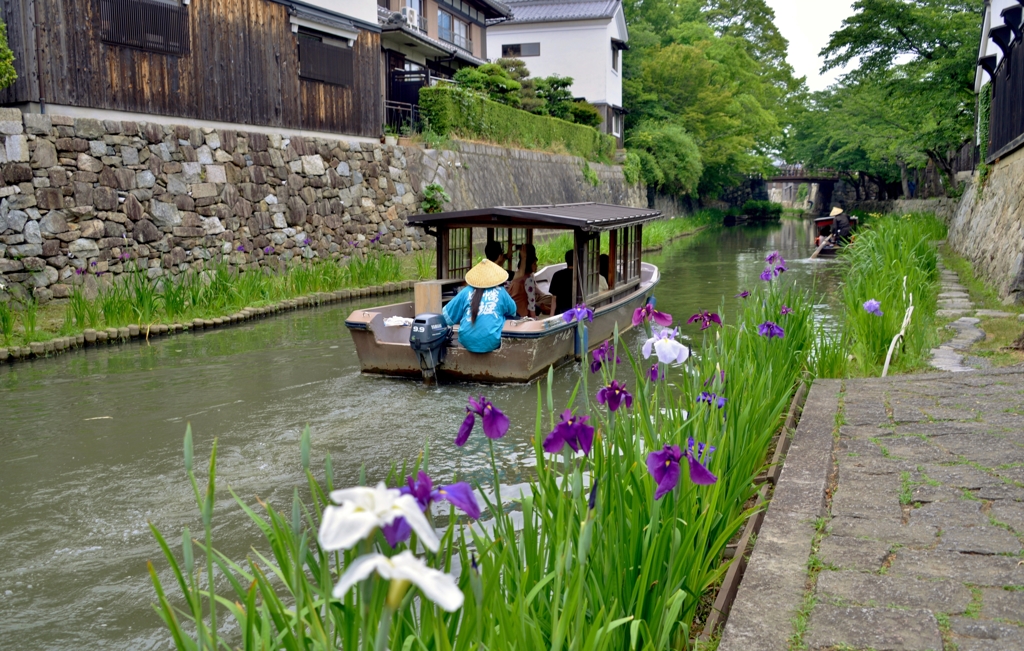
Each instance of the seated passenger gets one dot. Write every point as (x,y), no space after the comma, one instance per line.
(481,308)
(530,301)
(495,253)
(602,270)
(561,286)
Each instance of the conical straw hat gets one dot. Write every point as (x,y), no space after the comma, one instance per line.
(486,275)
(836,211)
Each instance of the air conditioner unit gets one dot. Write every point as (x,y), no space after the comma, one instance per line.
(412,19)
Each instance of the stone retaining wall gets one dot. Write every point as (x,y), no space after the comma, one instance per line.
(82,200)
(987,228)
(942,208)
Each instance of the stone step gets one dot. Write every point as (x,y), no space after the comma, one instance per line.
(955,304)
(968,333)
(951,313)
(954,294)
(994,314)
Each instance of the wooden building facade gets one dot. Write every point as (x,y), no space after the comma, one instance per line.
(272,63)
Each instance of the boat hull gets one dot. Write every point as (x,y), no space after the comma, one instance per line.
(527,349)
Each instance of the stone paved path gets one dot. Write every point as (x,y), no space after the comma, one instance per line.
(955,301)
(897,523)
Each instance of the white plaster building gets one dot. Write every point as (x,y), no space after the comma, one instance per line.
(582,39)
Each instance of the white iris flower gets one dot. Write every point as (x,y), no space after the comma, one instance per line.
(363,509)
(435,585)
(667,349)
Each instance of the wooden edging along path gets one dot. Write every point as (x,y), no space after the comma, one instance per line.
(734,575)
(90,337)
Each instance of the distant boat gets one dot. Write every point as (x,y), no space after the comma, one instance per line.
(528,347)
(823,228)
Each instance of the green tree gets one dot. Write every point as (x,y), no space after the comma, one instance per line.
(7,73)
(528,100)
(558,100)
(492,80)
(585,113)
(911,99)
(669,157)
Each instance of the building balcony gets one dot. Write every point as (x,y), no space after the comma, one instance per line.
(458,40)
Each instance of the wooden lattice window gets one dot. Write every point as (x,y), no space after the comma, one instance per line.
(325,59)
(627,254)
(151,25)
(460,251)
(592,266)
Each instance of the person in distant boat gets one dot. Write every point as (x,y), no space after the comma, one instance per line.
(481,308)
(561,286)
(530,301)
(840,225)
(602,269)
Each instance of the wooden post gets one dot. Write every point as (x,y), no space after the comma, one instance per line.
(613,243)
(442,252)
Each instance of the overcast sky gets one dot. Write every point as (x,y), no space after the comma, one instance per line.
(807,25)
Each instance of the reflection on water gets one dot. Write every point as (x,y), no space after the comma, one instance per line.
(90,447)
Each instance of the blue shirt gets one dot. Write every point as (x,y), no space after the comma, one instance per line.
(484,335)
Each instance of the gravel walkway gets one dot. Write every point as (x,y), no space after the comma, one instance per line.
(920,542)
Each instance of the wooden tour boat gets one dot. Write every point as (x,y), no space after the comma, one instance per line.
(528,346)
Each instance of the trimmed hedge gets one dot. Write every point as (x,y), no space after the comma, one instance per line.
(450,110)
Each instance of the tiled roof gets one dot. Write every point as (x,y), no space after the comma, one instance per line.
(544,11)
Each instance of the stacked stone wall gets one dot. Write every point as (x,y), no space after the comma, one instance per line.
(83,200)
(987,227)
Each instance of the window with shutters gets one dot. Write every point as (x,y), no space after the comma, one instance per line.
(152,25)
(324,58)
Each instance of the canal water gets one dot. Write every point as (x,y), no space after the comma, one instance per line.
(91,442)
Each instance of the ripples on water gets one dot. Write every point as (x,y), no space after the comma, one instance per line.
(90,446)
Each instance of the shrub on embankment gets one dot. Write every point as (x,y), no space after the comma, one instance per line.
(893,260)
(615,545)
(452,111)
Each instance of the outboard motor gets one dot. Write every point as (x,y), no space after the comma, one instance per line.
(429,340)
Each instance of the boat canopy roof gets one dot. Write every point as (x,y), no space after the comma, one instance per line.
(589,217)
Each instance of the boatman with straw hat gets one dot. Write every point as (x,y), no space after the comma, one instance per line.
(481,308)
(840,225)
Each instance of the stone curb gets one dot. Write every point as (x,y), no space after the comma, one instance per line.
(91,337)
(772,589)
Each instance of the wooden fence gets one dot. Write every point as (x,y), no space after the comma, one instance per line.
(240,63)
(1006,120)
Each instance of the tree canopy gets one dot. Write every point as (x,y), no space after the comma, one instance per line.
(909,101)
(7,73)
(708,91)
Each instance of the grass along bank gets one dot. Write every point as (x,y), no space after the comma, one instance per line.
(891,265)
(215,292)
(655,235)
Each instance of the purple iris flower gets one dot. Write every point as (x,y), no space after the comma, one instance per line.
(241,248)
(743,294)
(495,422)
(770,329)
(572,431)
(422,488)
(603,353)
(699,473)
(614,395)
(579,313)
(125,255)
(592,500)
(79,272)
(711,399)
(268,250)
(655,373)
(376,238)
(706,319)
(92,264)
(648,313)
(786,310)
(873,307)
(664,468)
(766,275)
(774,258)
